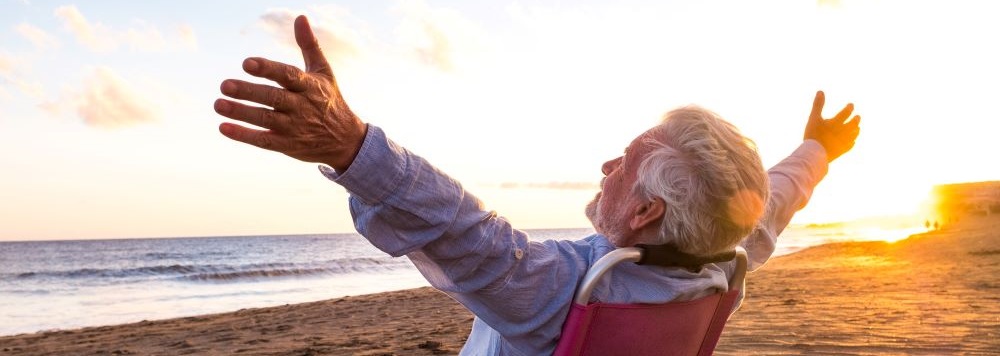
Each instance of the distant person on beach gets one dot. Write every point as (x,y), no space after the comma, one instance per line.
(693,181)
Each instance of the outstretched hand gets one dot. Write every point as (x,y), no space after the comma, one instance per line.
(837,135)
(307,118)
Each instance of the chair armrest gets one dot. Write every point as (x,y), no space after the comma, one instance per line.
(602,266)
(740,270)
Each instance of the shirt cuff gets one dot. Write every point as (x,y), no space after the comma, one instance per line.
(813,152)
(375,172)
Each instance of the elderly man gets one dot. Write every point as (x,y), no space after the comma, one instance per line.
(693,181)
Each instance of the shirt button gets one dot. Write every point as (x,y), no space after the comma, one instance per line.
(518,253)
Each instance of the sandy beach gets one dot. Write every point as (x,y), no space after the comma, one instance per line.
(934,293)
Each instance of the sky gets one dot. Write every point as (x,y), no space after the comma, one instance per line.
(107,128)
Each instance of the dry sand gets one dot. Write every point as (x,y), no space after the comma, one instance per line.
(935,293)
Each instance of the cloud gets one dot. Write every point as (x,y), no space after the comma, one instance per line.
(828,3)
(435,36)
(187,36)
(11,71)
(552,185)
(437,49)
(97,37)
(37,36)
(32,89)
(6,65)
(145,39)
(53,108)
(331,24)
(423,36)
(107,101)
(142,36)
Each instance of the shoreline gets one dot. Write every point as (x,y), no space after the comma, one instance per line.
(916,295)
(74,293)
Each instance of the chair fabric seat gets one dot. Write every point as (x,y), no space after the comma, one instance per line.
(673,328)
(677,328)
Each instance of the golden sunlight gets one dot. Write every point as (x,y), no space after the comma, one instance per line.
(952,202)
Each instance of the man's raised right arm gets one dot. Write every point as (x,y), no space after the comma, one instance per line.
(400,202)
(795,177)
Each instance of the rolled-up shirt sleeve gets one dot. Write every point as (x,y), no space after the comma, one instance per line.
(792,183)
(405,206)
(399,201)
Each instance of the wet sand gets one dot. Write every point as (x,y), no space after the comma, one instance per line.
(934,293)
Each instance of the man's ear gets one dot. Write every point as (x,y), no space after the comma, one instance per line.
(650,212)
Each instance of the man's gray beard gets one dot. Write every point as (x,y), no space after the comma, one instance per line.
(610,229)
(591,211)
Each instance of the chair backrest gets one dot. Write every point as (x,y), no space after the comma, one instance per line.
(674,328)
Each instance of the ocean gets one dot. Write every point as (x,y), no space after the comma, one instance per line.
(51,285)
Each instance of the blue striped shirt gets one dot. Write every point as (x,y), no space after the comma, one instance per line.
(520,291)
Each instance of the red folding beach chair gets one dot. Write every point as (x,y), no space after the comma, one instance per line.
(675,328)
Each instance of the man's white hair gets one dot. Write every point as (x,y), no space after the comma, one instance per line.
(709,175)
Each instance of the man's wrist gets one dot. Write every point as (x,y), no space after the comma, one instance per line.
(342,161)
(375,171)
(815,148)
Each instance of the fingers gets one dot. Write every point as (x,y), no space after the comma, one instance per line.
(281,100)
(262,139)
(287,76)
(844,114)
(257,116)
(855,122)
(311,52)
(847,132)
(817,110)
